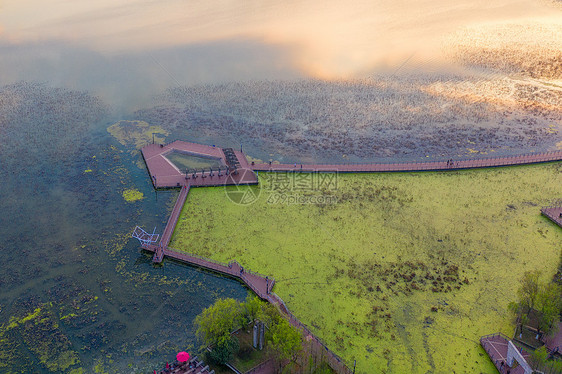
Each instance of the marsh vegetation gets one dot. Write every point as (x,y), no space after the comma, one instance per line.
(406,271)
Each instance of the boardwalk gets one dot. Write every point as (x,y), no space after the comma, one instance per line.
(258,283)
(496,347)
(261,285)
(164,174)
(415,166)
(554,213)
(174,216)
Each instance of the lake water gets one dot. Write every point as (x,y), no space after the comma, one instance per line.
(287,81)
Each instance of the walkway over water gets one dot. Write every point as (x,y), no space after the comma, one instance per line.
(174,216)
(416,166)
(258,283)
(261,285)
(554,213)
(164,174)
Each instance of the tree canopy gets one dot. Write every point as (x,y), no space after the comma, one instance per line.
(216,323)
(224,349)
(285,339)
(548,305)
(218,320)
(530,287)
(541,297)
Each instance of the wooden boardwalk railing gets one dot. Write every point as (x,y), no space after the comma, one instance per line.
(174,216)
(260,284)
(524,159)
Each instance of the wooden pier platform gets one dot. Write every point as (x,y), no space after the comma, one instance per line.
(164,174)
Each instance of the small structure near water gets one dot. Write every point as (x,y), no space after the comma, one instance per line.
(193,366)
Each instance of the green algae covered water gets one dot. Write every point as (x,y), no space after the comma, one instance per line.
(400,272)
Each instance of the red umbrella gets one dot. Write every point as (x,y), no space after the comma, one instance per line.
(182,356)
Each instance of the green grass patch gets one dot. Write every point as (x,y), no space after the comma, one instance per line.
(406,271)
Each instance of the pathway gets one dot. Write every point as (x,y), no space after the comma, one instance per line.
(554,213)
(415,166)
(164,174)
(496,347)
(174,216)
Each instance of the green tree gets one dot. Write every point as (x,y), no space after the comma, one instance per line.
(520,316)
(539,361)
(224,349)
(253,308)
(530,288)
(527,296)
(548,305)
(269,315)
(284,339)
(538,357)
(218,321)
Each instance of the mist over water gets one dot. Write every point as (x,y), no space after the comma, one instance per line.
(128,52)
(288,81)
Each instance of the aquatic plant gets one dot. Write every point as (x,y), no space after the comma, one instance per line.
(533,48)
(400,264)
(136,134)
(131,194)
(408,116)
